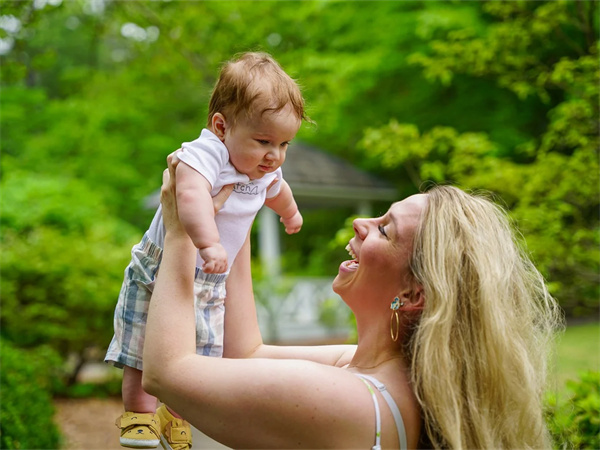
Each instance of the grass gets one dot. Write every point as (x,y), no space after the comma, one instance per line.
(578,350)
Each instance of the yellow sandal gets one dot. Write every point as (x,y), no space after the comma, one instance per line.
(176,433)
(139,430)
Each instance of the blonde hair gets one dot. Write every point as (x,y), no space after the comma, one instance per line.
(480,350)
(251,84)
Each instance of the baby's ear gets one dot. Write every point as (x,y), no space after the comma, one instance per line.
(219,125)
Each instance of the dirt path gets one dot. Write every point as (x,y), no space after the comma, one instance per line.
(89,424)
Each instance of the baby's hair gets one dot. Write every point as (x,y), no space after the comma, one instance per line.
(252,84)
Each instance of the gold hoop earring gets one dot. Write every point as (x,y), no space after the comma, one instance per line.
(395,306)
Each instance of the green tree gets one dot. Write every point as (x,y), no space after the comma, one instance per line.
(549,180)
(496,95)
(574,421)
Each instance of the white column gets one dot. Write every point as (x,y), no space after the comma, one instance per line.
(268,242)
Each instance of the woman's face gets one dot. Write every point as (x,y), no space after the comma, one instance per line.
(381,249)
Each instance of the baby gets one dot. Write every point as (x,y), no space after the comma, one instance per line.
(254,112)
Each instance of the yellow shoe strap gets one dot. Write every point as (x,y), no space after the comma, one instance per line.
(132,420)
(178,432)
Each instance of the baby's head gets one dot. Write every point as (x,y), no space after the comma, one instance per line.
(256,109)
(250,86)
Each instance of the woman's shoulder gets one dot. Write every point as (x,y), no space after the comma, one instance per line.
(394,392)
(337,399)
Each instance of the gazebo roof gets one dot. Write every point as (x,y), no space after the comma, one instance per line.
(321,178)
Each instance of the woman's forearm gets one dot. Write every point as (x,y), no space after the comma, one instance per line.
(170,329)
(331,355)
(242,334)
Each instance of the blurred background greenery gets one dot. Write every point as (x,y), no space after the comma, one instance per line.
(493,95)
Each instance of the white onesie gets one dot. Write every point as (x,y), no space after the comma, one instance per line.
(209,156)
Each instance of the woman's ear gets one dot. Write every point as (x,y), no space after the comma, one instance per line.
(219,125)
(413,299)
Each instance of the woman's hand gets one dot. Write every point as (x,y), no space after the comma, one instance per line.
(222,196)
(168,196)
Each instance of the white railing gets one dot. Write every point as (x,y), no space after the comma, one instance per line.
(302,310)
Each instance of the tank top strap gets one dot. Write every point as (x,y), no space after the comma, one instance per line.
(393,408)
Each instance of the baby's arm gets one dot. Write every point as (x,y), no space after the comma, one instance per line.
(285,205)
(197,215)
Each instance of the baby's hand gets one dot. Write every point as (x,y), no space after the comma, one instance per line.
(215,259)
(292,224)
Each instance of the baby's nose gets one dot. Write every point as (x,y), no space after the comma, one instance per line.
(273,154)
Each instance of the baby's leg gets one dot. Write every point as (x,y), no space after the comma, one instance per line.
(140,426)
(135,399)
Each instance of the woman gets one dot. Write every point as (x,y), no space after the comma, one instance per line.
(453,324)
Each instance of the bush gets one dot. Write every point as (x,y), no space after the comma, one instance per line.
(575,422)
(109,388)
(27,412)
(62,264)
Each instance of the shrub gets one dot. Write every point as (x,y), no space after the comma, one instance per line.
(27,412)
(575,422)
(62,264)
(109,388)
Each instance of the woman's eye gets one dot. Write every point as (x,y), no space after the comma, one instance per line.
(382,230)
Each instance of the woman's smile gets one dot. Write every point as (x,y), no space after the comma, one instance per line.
(351,265)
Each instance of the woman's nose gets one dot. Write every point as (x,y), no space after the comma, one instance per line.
(361,227)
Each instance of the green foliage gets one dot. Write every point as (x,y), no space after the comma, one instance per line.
(315,256)
(575,422)
(110,388)
(344,234)
(490,95)
(550,180)
(26,415)
(61,263)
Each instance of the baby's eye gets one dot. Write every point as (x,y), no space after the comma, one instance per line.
(262,141)
(382,230)
(285,144)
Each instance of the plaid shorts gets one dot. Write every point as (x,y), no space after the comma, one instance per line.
(131,313)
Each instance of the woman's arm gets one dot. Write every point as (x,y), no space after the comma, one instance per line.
(243,403)
(242,334)
(177,269)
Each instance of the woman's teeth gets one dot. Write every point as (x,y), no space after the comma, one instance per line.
(349,250)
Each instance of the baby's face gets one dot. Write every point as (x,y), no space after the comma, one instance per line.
(258,146)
